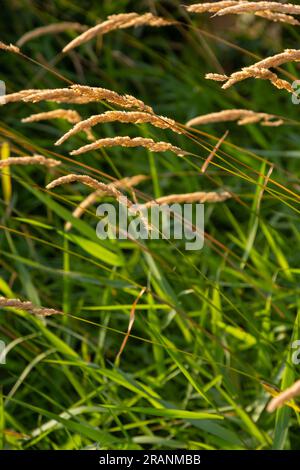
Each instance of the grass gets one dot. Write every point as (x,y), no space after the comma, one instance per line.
(211,325)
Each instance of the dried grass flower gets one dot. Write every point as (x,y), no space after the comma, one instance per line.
(253,7)
(242,116)
(261,70)
(28,307)
(9,47)
(107,189)
(200,196)
(210,7)
(127,141)
(272,11)
(30,160)
(78,94)
(136,117)
(69,115)
(120,21)
(125,183)
(53,28)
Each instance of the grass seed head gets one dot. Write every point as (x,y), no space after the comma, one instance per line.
(28,307)
(30,160)
(127,141)
(120,21)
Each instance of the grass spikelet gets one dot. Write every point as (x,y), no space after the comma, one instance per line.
(18,96)
(211,7)
(242,116)
(28,307)
(278,17)
(60,95)
(269,10)
(288,55)
(88,181)
(34,160)
(217,77)
(130,142)
(200,196)
(128,182)
(107,189)
(124,101)
(253,7)
(78,94)
(261,70)
(258,73)
(120,21)
(69,115)
(135,117)
(9,48)
(284,397)
(53,28)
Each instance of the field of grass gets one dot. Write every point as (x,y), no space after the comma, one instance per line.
(211,327)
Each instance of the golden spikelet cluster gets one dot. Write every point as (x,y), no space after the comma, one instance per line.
(34,160)
(210,7)
(125,183)
(85,94)
(120,21)
(253,7)
(135,117)
(9,47)
(111,190)
(284,397)
(18,96)
(200,196)
(242,116)
(107,189)
(272,11)
(261,70)
(278,17)
(28,307)
(69,115)
(124,101)
(127,141)
(81,94)
(217,77)
(53,28)
(88,181)
(78,94)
